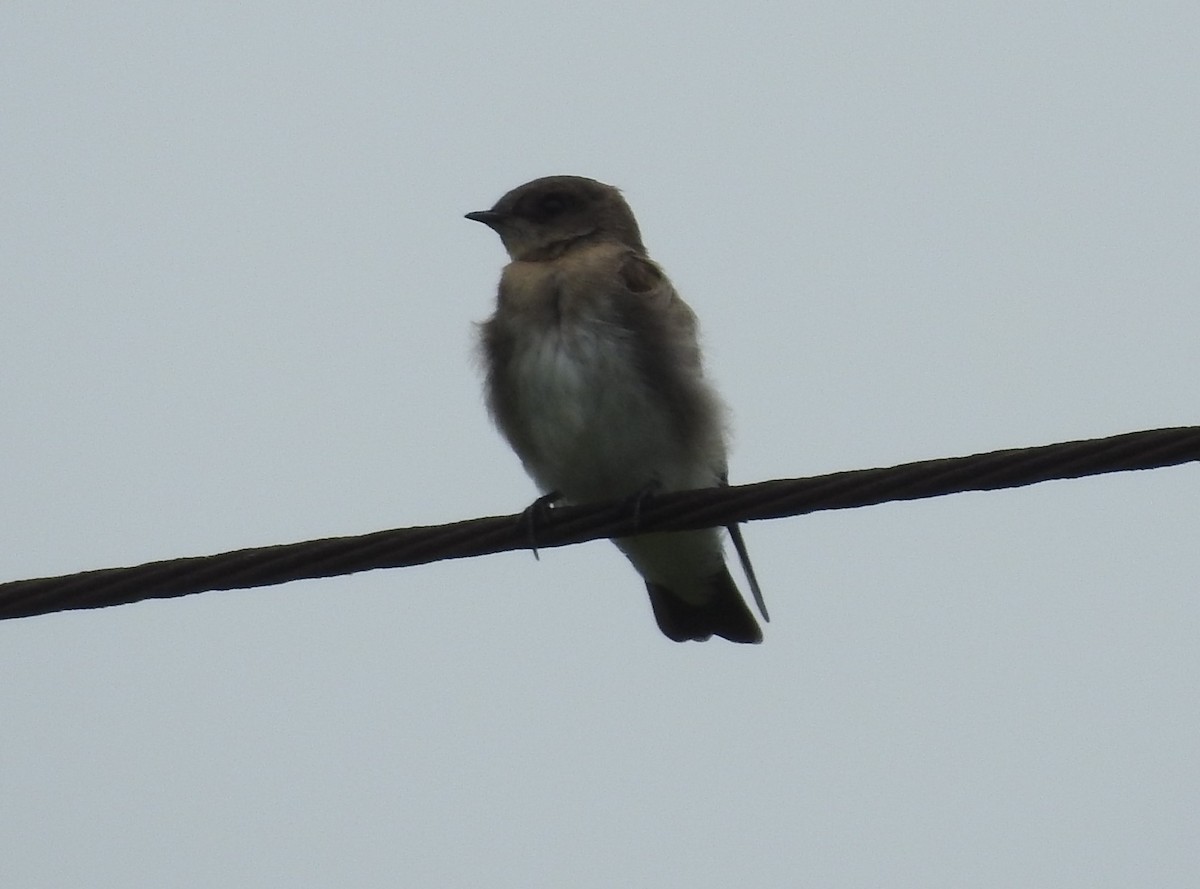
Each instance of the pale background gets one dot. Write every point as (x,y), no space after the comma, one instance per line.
(238,296)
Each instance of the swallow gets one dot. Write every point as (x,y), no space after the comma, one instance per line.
(594,376)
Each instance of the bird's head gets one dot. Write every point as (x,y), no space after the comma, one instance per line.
(546,217)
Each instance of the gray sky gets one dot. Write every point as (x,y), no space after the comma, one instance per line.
(237,311)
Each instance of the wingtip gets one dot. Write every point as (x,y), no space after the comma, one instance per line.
(739,544)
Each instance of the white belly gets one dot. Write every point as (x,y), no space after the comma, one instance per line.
(594,430)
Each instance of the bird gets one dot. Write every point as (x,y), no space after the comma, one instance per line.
(594,375)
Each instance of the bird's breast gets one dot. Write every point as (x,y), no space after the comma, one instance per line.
(589,425)
(580,415)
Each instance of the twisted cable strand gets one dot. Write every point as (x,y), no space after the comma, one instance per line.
(710,507)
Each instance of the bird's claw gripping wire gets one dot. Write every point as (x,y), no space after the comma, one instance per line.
(538,513)
(639,498)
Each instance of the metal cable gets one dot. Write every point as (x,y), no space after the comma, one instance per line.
(711,507)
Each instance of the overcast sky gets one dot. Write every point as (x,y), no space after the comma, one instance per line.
(237,310)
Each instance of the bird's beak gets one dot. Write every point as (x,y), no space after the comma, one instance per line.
(490,218)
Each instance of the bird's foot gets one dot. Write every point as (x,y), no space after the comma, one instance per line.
(635,501)
(538,513)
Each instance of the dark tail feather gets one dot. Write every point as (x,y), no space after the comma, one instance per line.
(724,615)
(744,557)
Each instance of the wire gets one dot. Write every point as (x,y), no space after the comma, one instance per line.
(710,507)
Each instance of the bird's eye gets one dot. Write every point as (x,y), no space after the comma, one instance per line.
(552,204)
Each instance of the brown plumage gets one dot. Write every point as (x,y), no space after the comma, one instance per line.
(594,376)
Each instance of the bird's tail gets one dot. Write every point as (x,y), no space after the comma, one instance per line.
(723,614)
